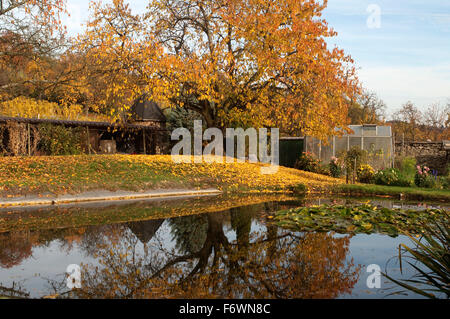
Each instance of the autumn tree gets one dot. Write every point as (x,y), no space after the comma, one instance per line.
(237,63)
(406,122)
(31,35)
(117,59)
(447,121)
(367,109)
(14,248)
(435,121)
(413,125)
(254,63)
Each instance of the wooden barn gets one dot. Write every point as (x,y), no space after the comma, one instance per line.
(144,132)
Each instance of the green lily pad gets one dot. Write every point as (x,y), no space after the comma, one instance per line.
(357,219)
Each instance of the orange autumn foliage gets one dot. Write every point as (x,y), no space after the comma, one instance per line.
(237,63)
(115,57)
(31,34)
(255,63)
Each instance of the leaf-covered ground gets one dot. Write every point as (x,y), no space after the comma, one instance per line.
(357,219)
(75,174)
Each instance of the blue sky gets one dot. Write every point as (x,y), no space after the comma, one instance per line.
(405,57)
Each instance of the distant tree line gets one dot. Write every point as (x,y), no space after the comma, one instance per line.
(408,123)
(432,124)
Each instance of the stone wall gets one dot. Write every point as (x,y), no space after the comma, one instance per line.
(431,154)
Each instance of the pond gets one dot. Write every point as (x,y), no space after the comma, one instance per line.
(192,248)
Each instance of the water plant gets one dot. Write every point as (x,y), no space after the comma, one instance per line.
(349,219)
(430,258)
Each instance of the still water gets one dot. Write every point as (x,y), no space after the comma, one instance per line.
(146,250)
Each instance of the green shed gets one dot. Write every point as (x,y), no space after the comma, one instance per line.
(291,148)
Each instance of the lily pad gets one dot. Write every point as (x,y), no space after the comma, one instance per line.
(357,219)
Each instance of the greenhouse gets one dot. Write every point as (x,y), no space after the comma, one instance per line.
(376,140)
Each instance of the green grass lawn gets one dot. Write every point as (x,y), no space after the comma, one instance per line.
(413,193)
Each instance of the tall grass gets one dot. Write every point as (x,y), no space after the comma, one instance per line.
(432,251)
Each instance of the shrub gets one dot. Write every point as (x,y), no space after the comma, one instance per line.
(308,163)
(424,178)
(335,167)
(386,176)
(444,181)
(60,140)
(391,177)
(403,181)
(323,169)
(366,174)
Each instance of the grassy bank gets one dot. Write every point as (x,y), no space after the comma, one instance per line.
(411,193)
(75,174)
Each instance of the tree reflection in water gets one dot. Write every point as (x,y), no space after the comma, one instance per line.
(206,263)
(15,247)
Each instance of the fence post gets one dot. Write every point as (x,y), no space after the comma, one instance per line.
(320,150)
(362,138)
(403,144)
(393,150)
(334,146)
(29,139)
